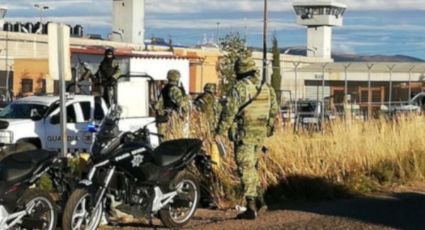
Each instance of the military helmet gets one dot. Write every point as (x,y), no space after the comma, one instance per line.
(245,65)
(173,75)
(109,53)
(210,87)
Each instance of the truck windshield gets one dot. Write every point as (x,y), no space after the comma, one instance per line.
(22,110)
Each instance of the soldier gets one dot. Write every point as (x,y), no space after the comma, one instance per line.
(249,117)
(172,100)
(107,76)
(207,103)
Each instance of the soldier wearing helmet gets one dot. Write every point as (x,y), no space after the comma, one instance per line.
(172,99)
(107,76)
(248,117)
(207,104)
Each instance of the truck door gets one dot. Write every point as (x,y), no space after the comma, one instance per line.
(78,117)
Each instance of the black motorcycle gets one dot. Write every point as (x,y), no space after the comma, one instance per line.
(22,204)
(130,176)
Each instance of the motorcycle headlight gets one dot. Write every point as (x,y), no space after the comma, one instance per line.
(6,137)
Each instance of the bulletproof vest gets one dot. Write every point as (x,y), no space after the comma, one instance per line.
(107,69)
(169,104)
(203,102)
(257,112)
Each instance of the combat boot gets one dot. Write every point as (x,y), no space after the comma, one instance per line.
(261,205)
(251,210)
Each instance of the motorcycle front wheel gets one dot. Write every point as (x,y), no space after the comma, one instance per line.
(183,207)
(80,213)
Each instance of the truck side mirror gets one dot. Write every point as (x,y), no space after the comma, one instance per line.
(35,116)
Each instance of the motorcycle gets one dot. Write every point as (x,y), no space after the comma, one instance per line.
(131,176)
(22,204)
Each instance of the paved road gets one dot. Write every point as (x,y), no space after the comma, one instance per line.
(401,210)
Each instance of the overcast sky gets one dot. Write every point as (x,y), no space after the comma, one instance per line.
(371,27)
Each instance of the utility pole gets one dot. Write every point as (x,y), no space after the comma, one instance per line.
(265,41)
(218,33)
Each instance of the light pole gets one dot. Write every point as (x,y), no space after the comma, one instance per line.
(218,32)
(346,66)
(410,83)
(41,9)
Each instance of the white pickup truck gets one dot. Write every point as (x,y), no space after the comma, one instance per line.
(35,121)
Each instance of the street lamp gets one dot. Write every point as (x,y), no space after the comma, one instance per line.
(218,32)
(41,9)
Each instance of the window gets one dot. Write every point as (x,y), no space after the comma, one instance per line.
(86,109)
(98,111)
(22,110)
(71,117)
(26,85)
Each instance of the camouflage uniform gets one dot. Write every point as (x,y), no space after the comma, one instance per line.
(249,128)
(208,104)
(107,76)
(172,101)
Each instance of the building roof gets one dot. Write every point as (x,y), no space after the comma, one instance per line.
(319,3)
(376,67)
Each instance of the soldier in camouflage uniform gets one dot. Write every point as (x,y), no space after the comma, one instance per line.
(107,76)
(207,103)
(172,100)
(249,117)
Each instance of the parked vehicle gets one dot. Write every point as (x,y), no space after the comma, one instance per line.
(129,175)
(35,121)
(416,104)
(22,204)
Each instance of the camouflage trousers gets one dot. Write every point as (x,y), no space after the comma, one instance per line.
(246,157)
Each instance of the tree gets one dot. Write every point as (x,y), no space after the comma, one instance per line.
(276,76)
(233,46)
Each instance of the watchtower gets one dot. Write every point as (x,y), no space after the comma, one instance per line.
(128,21)
(3,11)
(319,17)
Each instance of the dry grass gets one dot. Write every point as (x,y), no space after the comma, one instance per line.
(357,156)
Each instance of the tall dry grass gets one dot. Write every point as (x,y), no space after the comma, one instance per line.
(357,156)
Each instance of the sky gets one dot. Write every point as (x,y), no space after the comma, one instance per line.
(371,27)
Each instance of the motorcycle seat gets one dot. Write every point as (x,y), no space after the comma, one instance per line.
(171,152)
(20,166)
